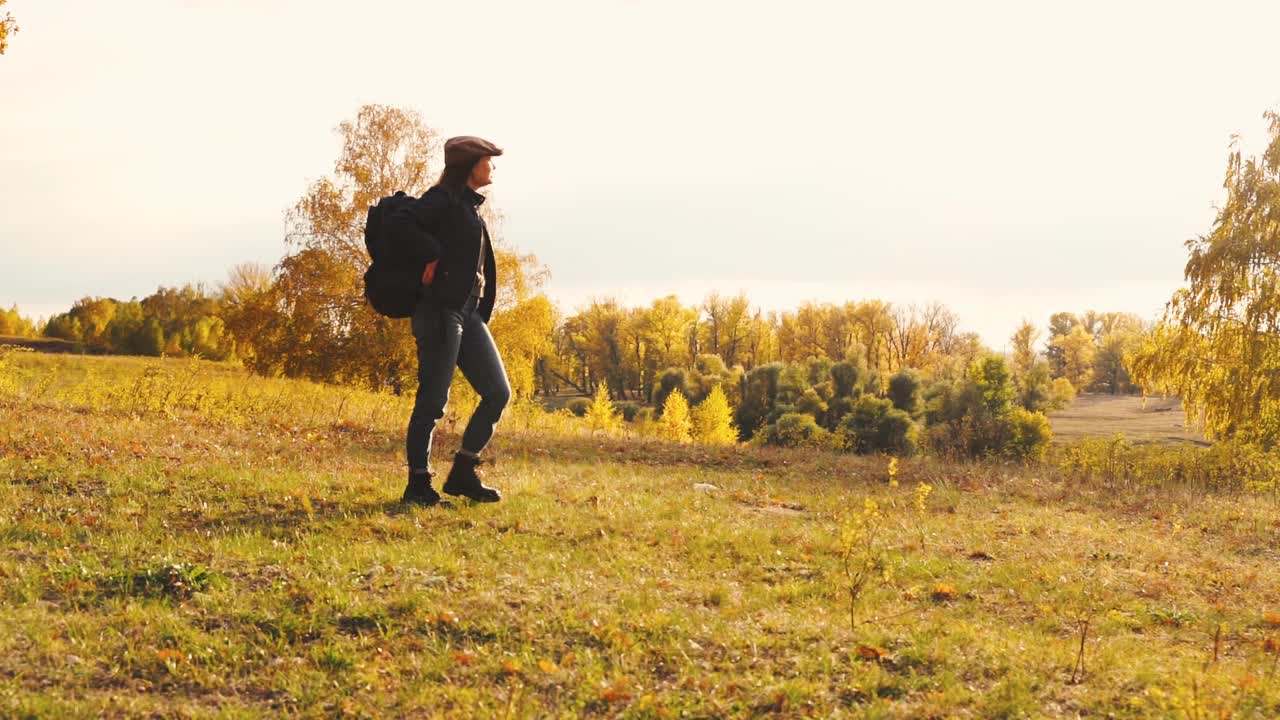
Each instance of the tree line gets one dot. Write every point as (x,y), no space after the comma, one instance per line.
(1217,346)
(306,317)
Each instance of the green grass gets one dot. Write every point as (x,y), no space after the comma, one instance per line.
(180,540)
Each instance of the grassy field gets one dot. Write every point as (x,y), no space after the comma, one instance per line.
(1141,420)
(180,540)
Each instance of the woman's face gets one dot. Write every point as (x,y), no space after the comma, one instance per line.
(482,173)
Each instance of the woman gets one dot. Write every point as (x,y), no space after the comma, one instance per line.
(450,323)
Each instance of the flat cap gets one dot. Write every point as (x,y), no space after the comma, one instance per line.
(466,149)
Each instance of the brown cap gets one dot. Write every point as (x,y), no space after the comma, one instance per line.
(466,149)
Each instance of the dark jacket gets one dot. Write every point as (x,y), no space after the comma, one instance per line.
(443,228)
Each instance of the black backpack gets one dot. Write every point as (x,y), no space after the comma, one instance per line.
(393,282)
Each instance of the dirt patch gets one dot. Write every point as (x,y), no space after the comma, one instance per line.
(783,510)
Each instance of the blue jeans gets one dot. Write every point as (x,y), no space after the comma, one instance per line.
(449,338)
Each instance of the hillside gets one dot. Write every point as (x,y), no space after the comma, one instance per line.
(181,540)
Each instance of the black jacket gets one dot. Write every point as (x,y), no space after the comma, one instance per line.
(440,227)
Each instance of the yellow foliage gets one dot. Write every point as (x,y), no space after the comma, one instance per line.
(601,415)
(1078,350)
(7,28)
(713,420)
(675,423)
(1216,346)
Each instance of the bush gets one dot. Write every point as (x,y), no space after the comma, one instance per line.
(1034,388)
(811,403)
(671,380)
(905,391)
(1027,435)
(837,409)
(817,370)
(1224,466)
(978,417)
(797,430)
(759,394)
(876,426)
(1061,394)
(990,378)
(628,409)
(847,379)
(579,406)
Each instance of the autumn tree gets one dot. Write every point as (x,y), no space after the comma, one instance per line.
(726,326)
(713,420)
(805,332)
(8,26)
(601,414)
(524,320)
(1060,325)
(760,346)
(920,336)
(13,324)
(1218,344)
(668,328)
(1023,347)
(1120,338)
(675,423)
(85,322)
(313,321)
(1076,350)
(328,331)
(249,310)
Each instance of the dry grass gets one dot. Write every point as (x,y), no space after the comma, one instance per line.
(158,561)
(1149,420)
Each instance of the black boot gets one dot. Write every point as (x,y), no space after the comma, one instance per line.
(465,481)
(420,492)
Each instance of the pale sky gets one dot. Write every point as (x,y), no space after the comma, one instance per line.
(1009,159)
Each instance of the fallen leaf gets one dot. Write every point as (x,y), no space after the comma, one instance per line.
(871,652)
(547,666)
(618,691)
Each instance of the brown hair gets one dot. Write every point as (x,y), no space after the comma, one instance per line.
(454,178)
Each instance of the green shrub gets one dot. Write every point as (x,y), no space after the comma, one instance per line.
(875,425)
(671,380)
(1027,435)
(759,394)
(811,403)
(906,390)
(797,430)
(628,409)
(837,409)
(978,416)
(847,379)
(579,406)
